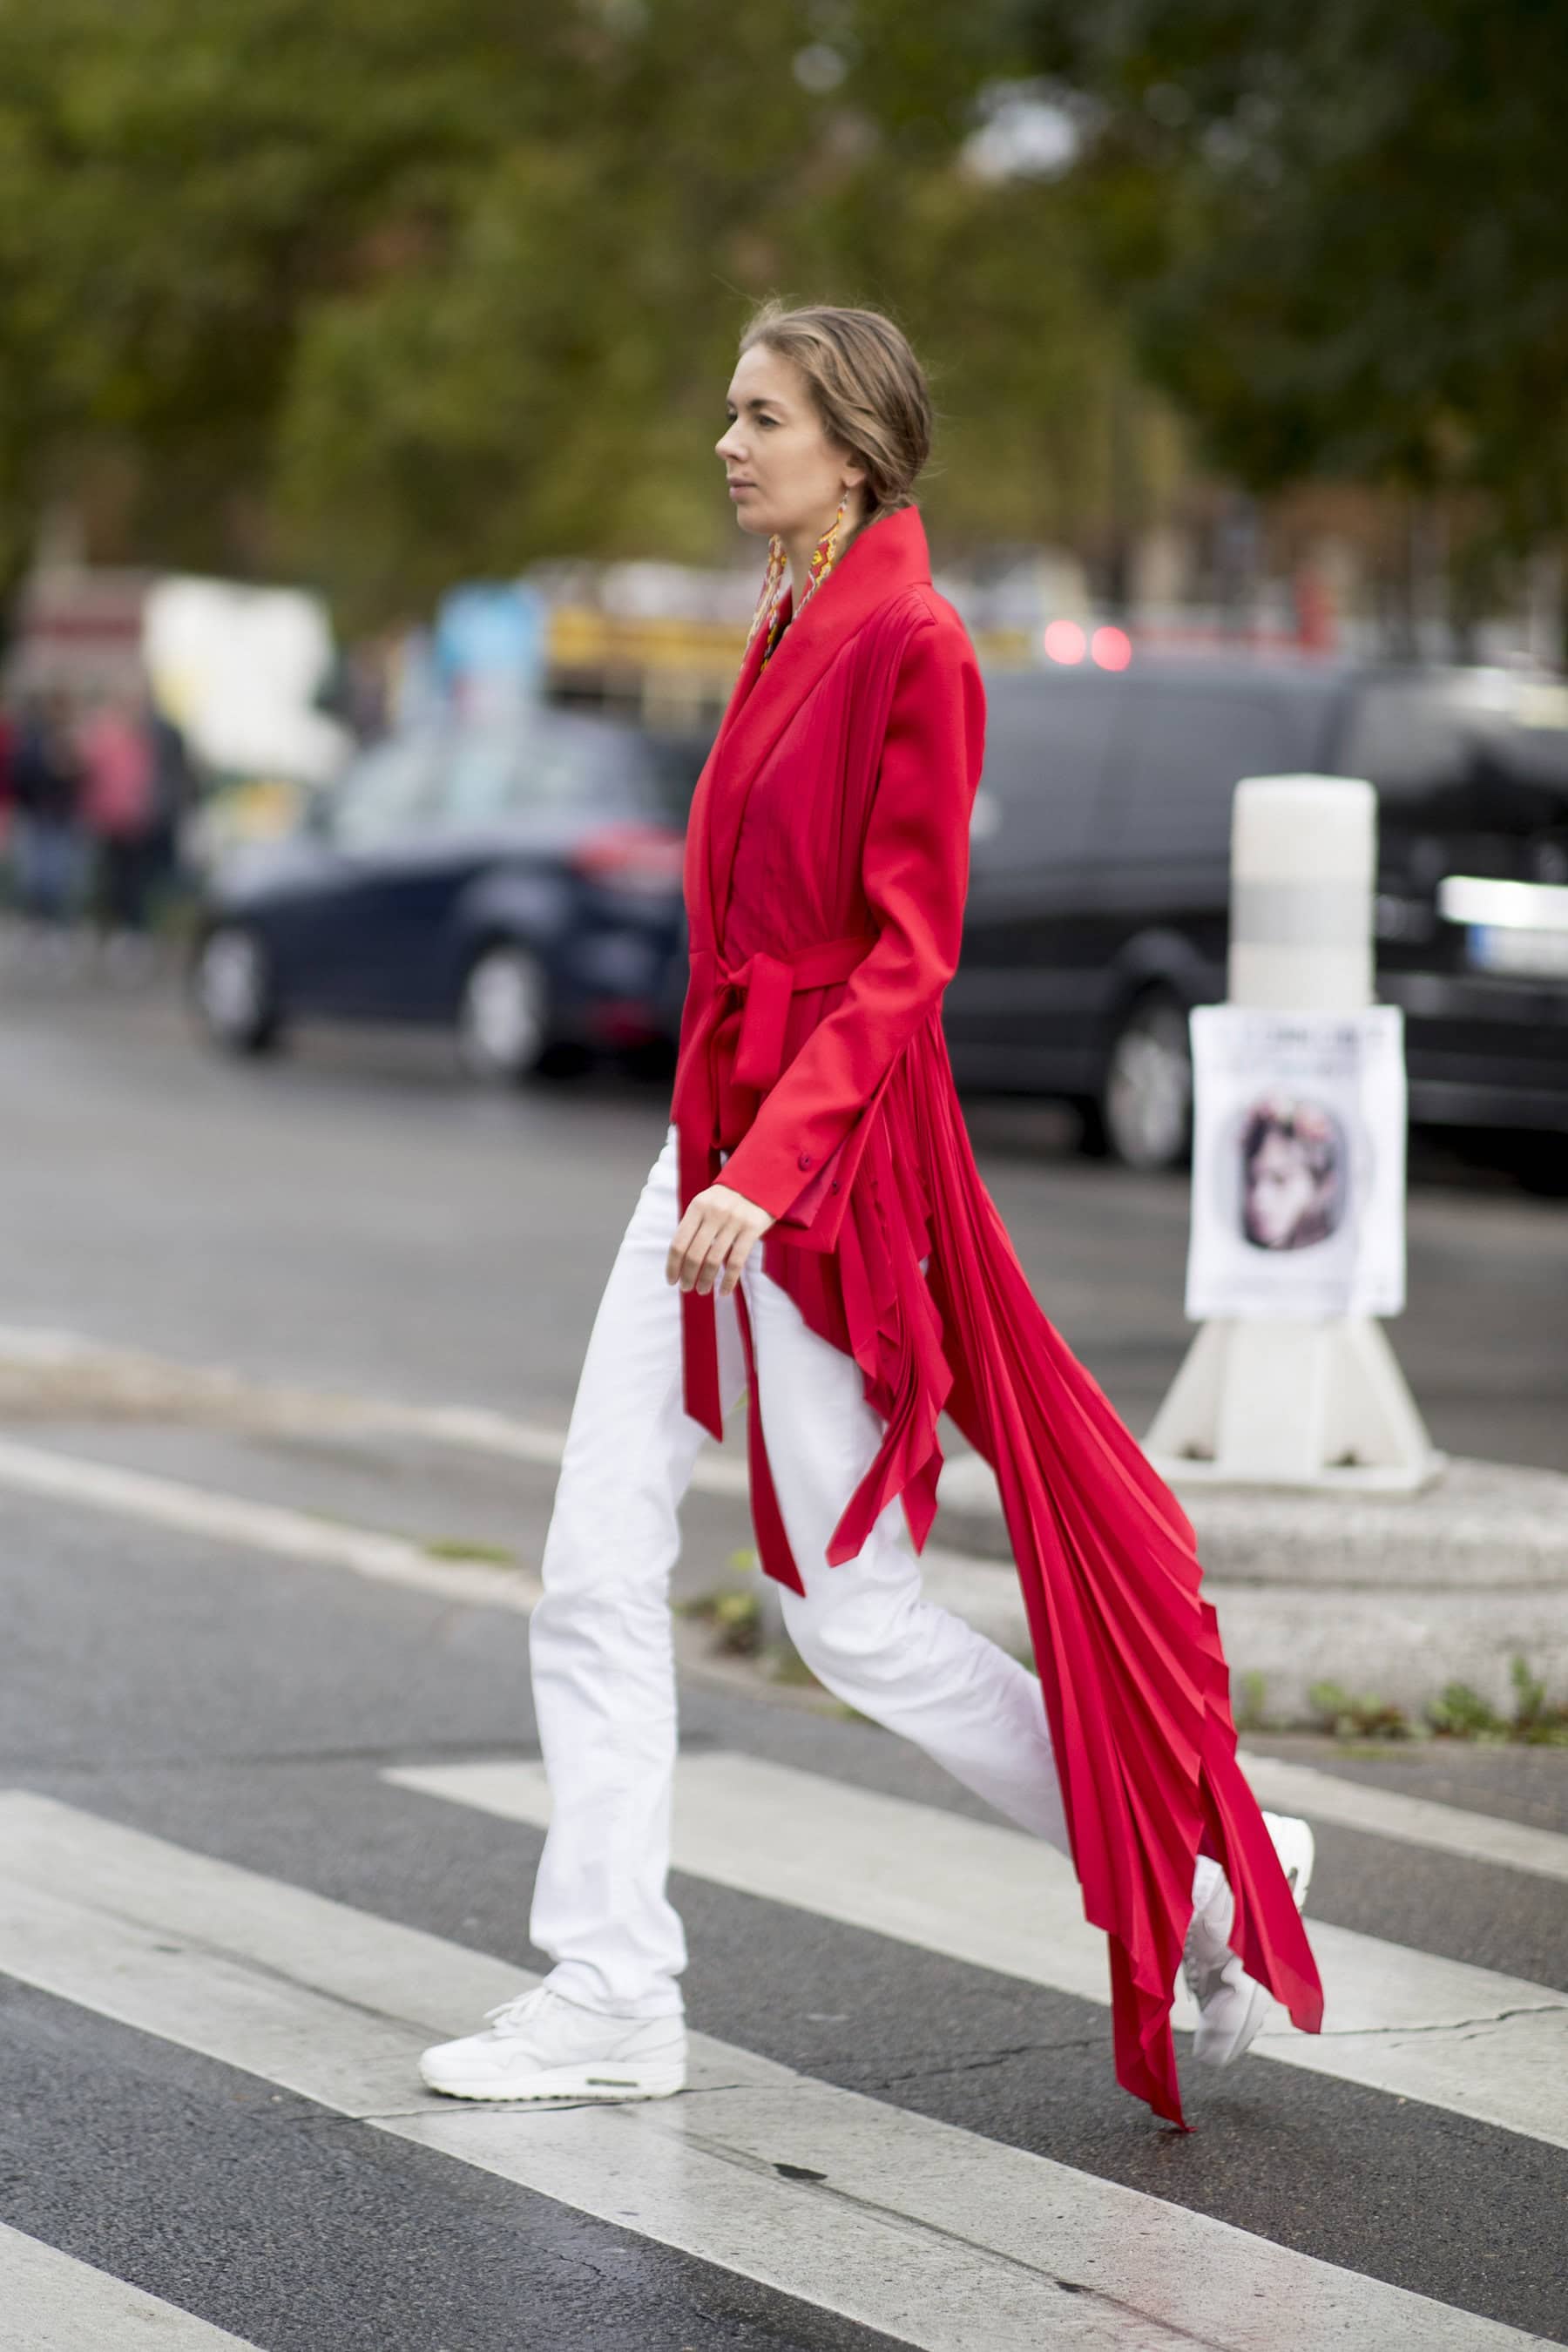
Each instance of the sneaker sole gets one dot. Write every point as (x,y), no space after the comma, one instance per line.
(642,2082)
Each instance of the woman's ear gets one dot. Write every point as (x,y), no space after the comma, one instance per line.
(851,472)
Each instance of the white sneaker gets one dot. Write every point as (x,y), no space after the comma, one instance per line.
(1232,2005)
(540,2046)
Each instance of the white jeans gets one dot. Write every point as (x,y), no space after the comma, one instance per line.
(600,1639)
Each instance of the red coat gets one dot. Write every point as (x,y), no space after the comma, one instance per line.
(827,866)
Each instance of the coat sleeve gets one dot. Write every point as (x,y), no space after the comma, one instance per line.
(915,875)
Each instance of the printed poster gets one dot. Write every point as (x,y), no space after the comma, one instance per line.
(1299,1126)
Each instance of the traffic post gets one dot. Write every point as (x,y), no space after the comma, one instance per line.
(1297,1242)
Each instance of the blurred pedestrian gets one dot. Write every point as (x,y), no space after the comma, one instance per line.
(45,779)
(119,814)
(175,794)
(826,874)
(7,781)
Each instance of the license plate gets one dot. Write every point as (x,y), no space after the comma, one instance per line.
(1496,947)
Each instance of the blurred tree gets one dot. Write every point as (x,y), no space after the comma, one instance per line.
(552,378)
(403,289)
(1343,228)
(180,181)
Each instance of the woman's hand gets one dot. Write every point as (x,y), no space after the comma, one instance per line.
(718,1233)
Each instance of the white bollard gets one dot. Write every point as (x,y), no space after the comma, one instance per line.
(1316,1401)
(1303,861)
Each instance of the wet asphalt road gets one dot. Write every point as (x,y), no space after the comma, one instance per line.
(353,1218)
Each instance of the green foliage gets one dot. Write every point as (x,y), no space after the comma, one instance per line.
(1463,1714)
(400,290)
(552,380)
(1357,1716)
(1341,229)
(179,182)
(472,1550)
(1536,1720)
(1251,1713)
(1458,1712)
(734,1611)
(403,291)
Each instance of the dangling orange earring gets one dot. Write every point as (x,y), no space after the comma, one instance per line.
(769,603)
(826,550)
(770,597)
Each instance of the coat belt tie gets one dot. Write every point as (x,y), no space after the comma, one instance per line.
(764,984)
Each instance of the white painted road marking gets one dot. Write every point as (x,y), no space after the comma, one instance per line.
(1491,2047)
(261,1527)
(150,1383)
(52,2303)
(937,2237)
(1293,1788)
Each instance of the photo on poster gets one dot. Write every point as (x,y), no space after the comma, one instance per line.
(1295,1171)
(1298,1123)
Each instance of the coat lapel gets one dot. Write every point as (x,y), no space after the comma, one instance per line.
(889,555)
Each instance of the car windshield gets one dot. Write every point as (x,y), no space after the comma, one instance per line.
(1417,735)
(496,773)
(470,778)
(387,791)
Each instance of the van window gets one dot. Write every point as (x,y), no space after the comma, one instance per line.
(1179,751)
(1460,737)
(1046,743)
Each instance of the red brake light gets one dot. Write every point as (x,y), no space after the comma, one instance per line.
(1064,641)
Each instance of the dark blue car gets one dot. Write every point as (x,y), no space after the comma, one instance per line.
(520,882)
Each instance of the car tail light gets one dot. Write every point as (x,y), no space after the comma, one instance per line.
(631,856)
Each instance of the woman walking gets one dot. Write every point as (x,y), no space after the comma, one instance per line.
(815,1231)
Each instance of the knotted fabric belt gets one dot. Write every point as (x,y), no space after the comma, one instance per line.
(764,984)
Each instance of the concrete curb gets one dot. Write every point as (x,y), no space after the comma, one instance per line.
(1392,1595)
(1389,1594)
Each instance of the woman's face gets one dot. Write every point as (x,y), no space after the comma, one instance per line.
(785,474)
(1280,1189)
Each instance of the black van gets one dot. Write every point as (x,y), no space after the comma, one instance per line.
(1100,882)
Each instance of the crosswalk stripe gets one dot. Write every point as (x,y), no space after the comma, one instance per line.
(936,2236)
(1484,2045)
(1294,1787)
(52,2303)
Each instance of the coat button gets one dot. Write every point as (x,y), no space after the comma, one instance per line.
(833,1184)
(804,1159)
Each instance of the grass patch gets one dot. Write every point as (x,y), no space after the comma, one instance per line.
(1249,1713)
(1358,1715)
(486,1555)
(734,1611)
(1458,1712)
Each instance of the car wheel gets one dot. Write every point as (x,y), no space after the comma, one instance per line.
(503,1019)
(235,990)
(1146,1101)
